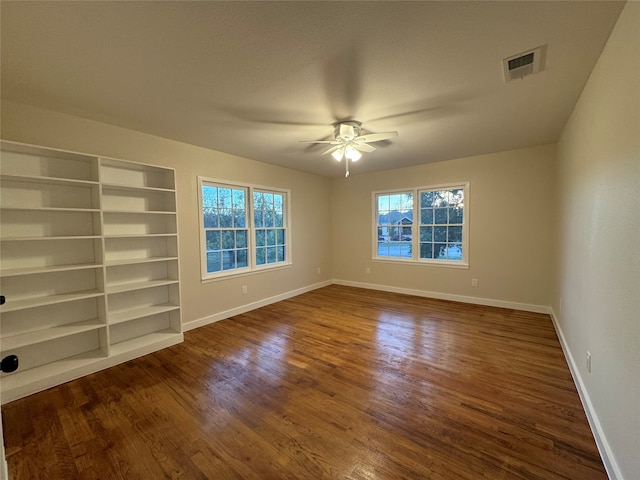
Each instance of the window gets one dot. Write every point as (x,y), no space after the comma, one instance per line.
(395,218)
(268,214)
(244,228)
(427,225)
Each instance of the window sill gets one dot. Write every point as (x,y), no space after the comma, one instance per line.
(408,261)
(245,273)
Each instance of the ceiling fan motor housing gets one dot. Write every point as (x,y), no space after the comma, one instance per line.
(347,130)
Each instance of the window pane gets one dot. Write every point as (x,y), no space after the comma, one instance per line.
(242,258)
(228,259)
(426,216)
(239,219)
(278,202)
(280,237)
(454,251)
(210,217)
(426,199)
(426,234)
(224,198)
(281,254)
(238,200)
(407,201)
(268,219)
(455,234)
(395,202)
(440,216)
(213,262)
(426,250)
(258,201)
(261,238)
(383,203)
(279,220)
(440,234)
(271,237)
(225,218)
(457,197)
(455,215)
(383,249)
(271,254)
(228,239)
(257,218)
(241,239)
(213,240)
(209,196)
(261,257)
(440,251)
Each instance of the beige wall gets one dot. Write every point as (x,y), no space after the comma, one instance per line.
(598,240)
(310,196)
(510,206)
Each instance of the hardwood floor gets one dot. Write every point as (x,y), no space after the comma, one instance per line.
(338,383)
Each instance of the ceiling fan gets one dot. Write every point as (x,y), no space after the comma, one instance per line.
(349,143)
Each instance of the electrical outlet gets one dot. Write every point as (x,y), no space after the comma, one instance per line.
(244,289)
(474,282)
(367,270)
(588,361)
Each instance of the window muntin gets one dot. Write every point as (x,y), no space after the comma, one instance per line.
(434,232)
(244,228)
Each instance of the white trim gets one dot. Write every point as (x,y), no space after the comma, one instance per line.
(606,453)
(251,306)
(448,296)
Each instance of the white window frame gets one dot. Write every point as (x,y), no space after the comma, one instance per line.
(415,227)
(251,267)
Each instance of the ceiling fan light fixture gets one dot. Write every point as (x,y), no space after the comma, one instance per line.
(352,154)
(349,143)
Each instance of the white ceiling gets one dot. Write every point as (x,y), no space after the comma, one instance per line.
(255,78)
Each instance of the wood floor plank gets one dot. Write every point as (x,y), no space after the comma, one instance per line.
(338,383)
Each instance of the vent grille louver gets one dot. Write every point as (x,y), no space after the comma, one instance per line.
(523,64)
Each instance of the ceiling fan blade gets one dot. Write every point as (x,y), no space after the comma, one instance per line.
(363,147)
(333,142)
(331,149)
(376,137)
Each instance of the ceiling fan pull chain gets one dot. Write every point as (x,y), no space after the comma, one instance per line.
(346,166)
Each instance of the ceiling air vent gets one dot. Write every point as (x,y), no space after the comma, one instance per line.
(523,64)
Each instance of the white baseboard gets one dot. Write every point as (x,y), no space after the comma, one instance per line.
(449,296)
(606,453)
(250,306)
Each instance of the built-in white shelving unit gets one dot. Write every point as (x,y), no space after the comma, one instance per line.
(88,264)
